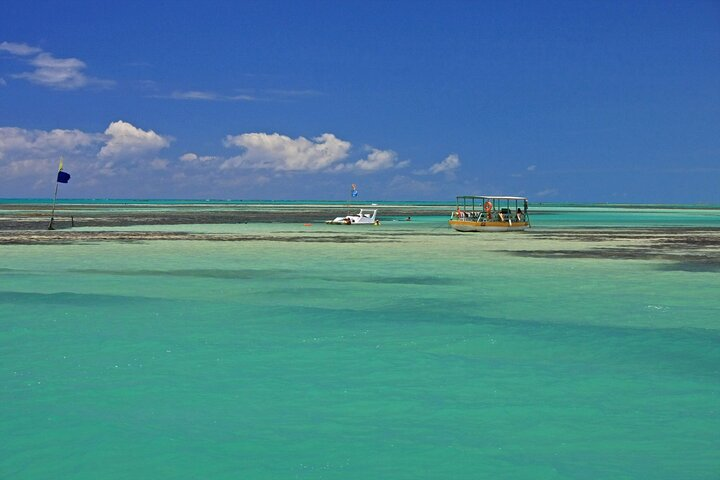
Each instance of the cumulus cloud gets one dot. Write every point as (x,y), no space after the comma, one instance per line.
(126,140)
(33,166)
(40,143)
(57,73)
(531,168)
(2,82)
(30,158)
(98,159)
(23,152)
(34,154)
(375,161)
(282,153)
(449,164)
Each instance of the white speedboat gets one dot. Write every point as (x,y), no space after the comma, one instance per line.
(365,217)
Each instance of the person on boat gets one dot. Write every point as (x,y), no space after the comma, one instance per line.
(519,215)
(488,207)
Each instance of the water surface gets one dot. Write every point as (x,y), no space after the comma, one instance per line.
(401,351)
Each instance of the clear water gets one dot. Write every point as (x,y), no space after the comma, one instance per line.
(404,351)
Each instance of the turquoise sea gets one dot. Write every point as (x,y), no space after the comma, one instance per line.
(587,348)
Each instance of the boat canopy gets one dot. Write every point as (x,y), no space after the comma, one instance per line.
(489,197)
(493,202)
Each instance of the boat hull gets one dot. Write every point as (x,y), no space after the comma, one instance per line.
(470,226)
(333,222)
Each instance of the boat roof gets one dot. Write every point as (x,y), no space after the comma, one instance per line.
(492,197)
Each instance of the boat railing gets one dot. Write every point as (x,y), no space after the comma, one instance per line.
(502,215)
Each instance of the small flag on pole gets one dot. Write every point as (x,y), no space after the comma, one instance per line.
(354,190)
(62,177)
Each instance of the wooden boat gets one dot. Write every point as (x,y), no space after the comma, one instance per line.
(490,213)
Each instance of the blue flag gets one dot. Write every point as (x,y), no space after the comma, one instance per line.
(354,190)
(63,177)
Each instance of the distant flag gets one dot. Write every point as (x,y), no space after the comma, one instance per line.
(62,177)
(354,190)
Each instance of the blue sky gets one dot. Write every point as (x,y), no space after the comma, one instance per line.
(559,101)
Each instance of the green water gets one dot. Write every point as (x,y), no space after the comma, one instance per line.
(404,351)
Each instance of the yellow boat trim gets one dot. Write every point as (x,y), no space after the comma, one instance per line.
(488,224)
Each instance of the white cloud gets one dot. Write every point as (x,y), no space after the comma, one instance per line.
(2,82)
(194,157)
(159,164)
(449,164)
(531,168)
(58,73)
(19,48)
(375,161)
(189,157)
(194,95)
(242,95)
(30,158)
(282,153)
(126,140)
(18,168)
(206,96)
(34,154)
(40,143)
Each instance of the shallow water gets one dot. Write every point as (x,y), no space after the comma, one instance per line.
(401,351)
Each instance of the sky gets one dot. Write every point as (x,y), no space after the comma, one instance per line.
(559,101)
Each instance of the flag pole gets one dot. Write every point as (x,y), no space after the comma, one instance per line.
(52,215)
(57,181)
